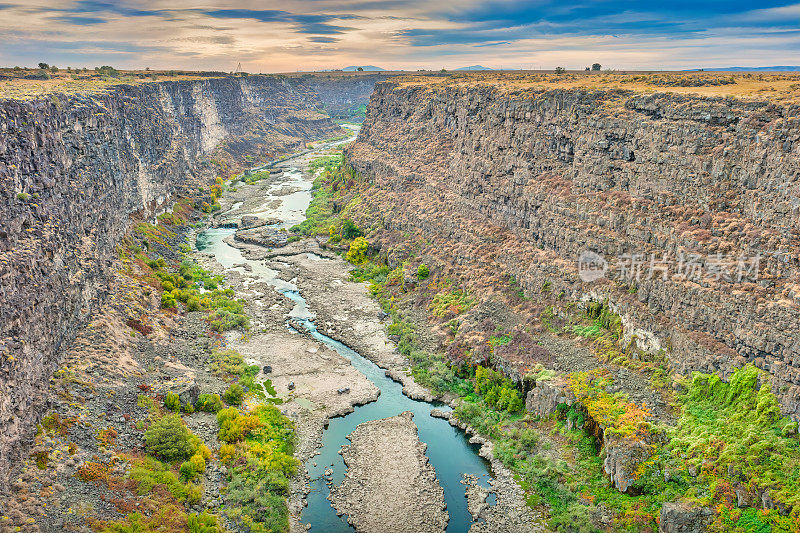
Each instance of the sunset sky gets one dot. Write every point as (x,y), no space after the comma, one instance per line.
(271,36)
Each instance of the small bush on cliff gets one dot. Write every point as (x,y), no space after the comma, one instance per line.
(169,439)
(350,230)
(209,403)
(370,272)
(497,391)
(227,363)
(451,303)
(172,402)
(187,471)
(423,271)
(234,426)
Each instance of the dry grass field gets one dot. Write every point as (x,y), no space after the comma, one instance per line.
(784,87)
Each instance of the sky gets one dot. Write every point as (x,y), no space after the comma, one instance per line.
(291,35)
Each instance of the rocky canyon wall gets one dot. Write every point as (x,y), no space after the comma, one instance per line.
(74,171)
(697,193)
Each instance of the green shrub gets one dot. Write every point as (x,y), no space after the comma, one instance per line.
(209,403)
(234,395)
(150,473)
(350,230)
(423,271)
(194,493)
(497,390)
(169,439)
(203,523)
(172,402)
(193,304)
(370,272)
(23,196)
(227,362)
(188,471)
(455,302)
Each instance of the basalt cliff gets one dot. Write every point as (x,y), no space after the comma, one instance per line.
(690,203)
(77,169)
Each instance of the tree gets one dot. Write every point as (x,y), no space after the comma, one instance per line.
(596,66)
(350,230)
(44,66)
(360,69)
(169,439)
(54,69)
(560,70)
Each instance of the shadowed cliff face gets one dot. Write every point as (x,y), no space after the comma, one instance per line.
(74,170)
(499,182)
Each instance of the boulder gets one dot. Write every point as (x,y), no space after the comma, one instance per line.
(189,393)
(251,221)
(546,396)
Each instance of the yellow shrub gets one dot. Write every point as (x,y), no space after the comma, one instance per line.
(204,452)
(357,252)
(198,462)
(227,452)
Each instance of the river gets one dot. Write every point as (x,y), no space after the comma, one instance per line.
(448,448)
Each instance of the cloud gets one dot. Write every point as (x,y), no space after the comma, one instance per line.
(310,24)
(263,15)
(323,39)
(206,39)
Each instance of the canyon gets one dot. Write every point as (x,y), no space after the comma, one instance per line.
(580,275)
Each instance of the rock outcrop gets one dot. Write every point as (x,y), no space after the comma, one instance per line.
(677,517)
(76,169)
(696,193)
